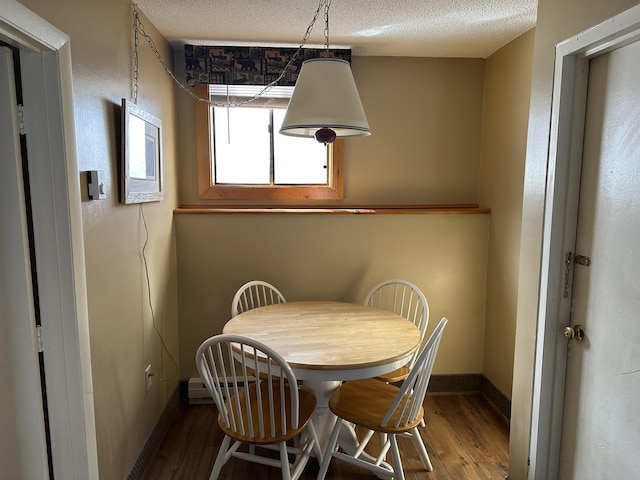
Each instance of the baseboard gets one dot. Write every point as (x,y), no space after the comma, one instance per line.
(476,383)
(469,382)
(496,398)
(155,438)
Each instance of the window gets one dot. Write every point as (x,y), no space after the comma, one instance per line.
(266,165)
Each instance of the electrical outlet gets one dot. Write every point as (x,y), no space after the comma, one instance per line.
(147,377)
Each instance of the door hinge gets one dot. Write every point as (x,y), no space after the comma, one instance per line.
(582,260)
(570,260)
(567,273)
(39,338)
(21,120)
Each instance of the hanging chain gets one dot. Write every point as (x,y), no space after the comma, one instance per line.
(136,41)
(326,23)
(138,28)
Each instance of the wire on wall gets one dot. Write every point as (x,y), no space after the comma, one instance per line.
(153,317)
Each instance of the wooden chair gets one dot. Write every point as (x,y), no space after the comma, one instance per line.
(255,294)
(385,408)
(260,411)
(405,299)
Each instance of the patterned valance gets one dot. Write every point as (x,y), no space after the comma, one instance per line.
(249,65)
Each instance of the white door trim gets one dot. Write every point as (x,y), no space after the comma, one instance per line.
(45,57)
(559,229)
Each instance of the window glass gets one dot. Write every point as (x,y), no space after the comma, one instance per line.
(242,146)
(297,160)
(249,150)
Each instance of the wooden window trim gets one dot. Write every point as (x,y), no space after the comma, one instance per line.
(209,191)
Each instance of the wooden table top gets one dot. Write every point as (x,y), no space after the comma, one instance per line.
(330,335)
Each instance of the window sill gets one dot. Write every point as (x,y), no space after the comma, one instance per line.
(467,209)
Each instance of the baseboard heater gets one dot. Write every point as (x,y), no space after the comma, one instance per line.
(197,393)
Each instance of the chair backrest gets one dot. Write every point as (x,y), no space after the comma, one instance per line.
(255,294)
(406,406)
(248,403)
(401,297)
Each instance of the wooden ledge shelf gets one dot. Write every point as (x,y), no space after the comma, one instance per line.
(467,209)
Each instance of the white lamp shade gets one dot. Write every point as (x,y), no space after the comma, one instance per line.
(325,96)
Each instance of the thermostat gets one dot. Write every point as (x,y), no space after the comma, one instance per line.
(95,185)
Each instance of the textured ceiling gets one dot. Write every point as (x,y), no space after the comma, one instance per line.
(414,28)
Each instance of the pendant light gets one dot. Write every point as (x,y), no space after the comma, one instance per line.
(325,103)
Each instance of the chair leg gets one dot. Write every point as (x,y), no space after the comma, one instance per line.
(383,440)
(395,453)
(221,459)
(297,442)
(415,434)
(284,462)
(317,449)
(328,453)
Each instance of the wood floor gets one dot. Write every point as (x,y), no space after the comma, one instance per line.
(465,437)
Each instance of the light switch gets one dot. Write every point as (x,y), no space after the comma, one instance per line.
(95,185)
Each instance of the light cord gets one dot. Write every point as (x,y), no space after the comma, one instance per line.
(153,316)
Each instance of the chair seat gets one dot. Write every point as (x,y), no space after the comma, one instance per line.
(348,400)
(307,406)
(397,375)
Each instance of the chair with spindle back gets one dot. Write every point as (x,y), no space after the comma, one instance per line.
(407,300)
(253,294)
(382,407)
(260,410)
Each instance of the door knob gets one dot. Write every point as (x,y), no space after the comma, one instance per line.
(574,333)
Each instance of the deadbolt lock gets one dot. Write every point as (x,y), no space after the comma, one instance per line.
(574,333)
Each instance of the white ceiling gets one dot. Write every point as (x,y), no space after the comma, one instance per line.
(414,28)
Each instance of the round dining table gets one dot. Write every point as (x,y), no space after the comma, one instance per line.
(326,343)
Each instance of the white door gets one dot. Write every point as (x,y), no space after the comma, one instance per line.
(23,448)
(601,420)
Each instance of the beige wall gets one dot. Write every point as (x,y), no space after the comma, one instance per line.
(504,134)
(556,21)
(418,109)
(123,339)
(335,257)
(426,117)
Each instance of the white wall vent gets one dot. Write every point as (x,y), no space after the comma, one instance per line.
(197,393)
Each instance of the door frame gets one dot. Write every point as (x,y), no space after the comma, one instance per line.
(24,428)
(45,60)
(568,112)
